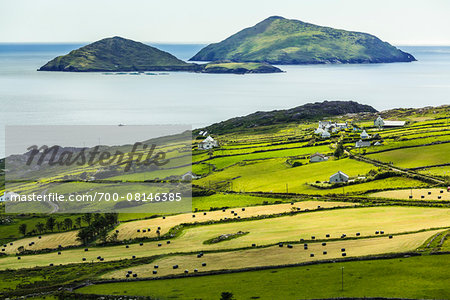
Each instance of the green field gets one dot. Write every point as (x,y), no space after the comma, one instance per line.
(422,277)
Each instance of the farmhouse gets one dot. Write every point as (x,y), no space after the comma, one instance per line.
(188,176)
(339,177)
(208,143)
(342,125)
(319,131)
(379,122)
(316,157)
(361,143)
(364,135)
(325,134)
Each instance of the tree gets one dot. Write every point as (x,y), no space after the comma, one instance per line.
(68,223)
(40,227)
(339,152)
(226,296)
(50,223)
(23,229)
(58,225)
(87,218)
(78,222)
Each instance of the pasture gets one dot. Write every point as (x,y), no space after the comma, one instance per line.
(277,256)
(430,194)
(422,277)
(268,231)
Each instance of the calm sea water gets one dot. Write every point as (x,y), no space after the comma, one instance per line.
(30,97)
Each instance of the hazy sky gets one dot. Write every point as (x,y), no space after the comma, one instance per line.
(399,22)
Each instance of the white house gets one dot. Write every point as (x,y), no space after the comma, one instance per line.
(324,124)
(378,143)
(316,157)
(361,143)
(319,131)
(364,135)
(188,176)
(208,143)
(339,177)
(325,134)
(342,125)
(379,122)
(8,196)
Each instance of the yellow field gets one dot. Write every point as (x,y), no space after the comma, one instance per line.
(48,241)
(263,232)
(128,230)
(275,256)
(416,193)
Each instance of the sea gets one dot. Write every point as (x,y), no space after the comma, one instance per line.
(29,97)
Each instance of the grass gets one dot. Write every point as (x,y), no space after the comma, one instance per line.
(264,232)
(416,193)
(415,157)
(421,277)
(277,256)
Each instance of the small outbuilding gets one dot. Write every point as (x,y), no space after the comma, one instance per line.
(317,157)
(339,177)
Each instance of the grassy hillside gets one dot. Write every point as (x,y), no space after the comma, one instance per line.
(277,40)
(117,54)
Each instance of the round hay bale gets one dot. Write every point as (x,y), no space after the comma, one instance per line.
(410,197)
(130,272)
(141,244)
(439,197)
(195,270)
(204,214)
(175,267)
(204,264)
(102,259)
(324,252)
(280,244)
(159,245)
(223,210)
(305,247)
(39,237)
(3,249)
(327,235)
(51,265)
(98,257)
(168,242)
(133,257)
(324,244)
(155,272)
(138,230)
(382,232)
(342,249)
(10,244)
(135,275)
(358,234)
(144,230)
(164,218)
(429,193)
(159,228)
(239,217)
(232,211)
(59,253)
(313,237)
(235,214)
(59,246)
(344,254)
(117,231)
(127,275)
(148,229)
(18,258)
(290,246)
(199,255)
(441,191)
(292,203)
(243,209)
(193,216)
(127,246)
(422,196)
(186,271)
(311,255)
(156,266)
(390,236)
(377,232)
(318,206)
(253,245)
(84,259)
(301,240)
(305,244)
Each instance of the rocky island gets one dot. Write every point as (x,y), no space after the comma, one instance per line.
(118,54)
(281,41)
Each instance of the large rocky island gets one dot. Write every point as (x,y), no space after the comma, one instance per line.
(118,54)
(277,40)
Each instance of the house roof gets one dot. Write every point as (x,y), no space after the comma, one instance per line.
(318,154)
(394,123)
(208,139)
(340,173)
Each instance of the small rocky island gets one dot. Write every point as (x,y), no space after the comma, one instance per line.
(281,41)
(118,54)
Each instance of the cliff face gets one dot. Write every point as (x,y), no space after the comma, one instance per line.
(277,40)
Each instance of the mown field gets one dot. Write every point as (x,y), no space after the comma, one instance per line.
(430,194)
(421,277)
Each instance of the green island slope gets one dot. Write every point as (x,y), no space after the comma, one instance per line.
(277,40)
(118,54)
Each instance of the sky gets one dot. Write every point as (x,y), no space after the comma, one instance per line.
(400,22)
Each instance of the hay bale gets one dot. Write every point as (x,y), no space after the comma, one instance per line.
(204,264)
(156,266)
(3,249)
(292,203)
(51,265)
(342,249)
(10,244)
(305,247)
(195,270)
(134,275)
(324,252)
(243,209)
(159,245)
(301,240)
(86,249)
(390,236)
(148,229)
(138,230)
(410,197)
(280,244)
(429,193)
(235,214)
(358,234)
(290,246)
(130,272)
(59,253)
(98,257)
(127,275)
(239,217)
(175,267)
(159,228)
(344,254)
(141,244)
(186,271)
(441,191)
(133,257)
(422,196)
(382,232)
(313,237)
(318,206)
(84,259)
(193,216)
(127,246)
(144,230)
(232,211)
(377,232)
(223,210)
(155,272)
(311,255)
(18,258)
(164,218)
(204,214)
(39,237)
(102,259)
(117,231)
(253,245)
(324,244)
(168,242)
(327,235)
(199,255)
(439,197)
